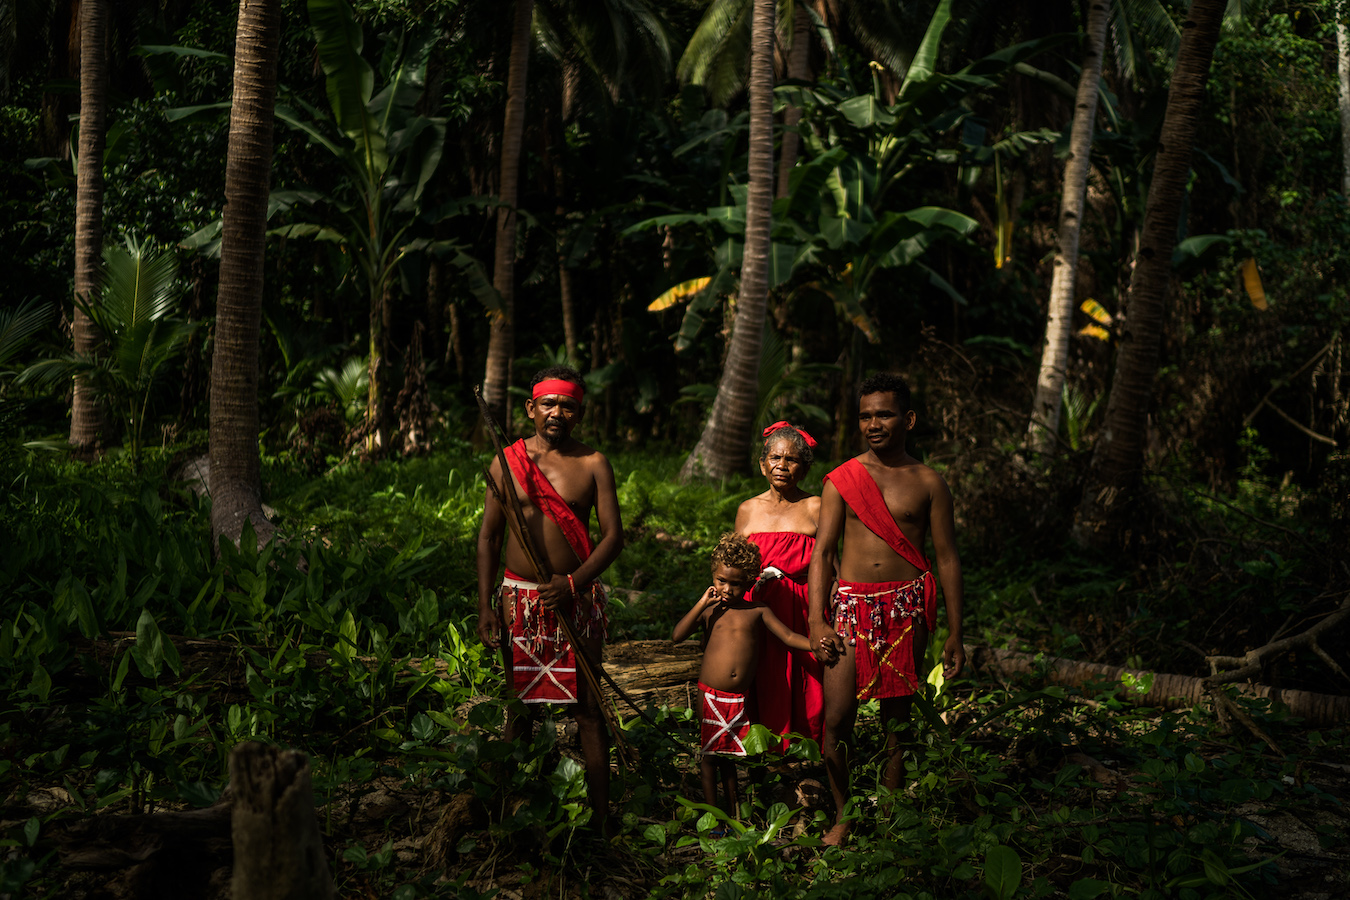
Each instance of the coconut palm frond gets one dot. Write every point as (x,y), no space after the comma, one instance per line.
(546,32)
(718,54)
(346,387)
(18,325)
(139,285)
(887,30)
(1136,25)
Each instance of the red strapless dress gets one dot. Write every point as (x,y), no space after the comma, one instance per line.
(787,684)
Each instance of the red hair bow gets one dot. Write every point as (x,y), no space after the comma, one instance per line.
(810,441)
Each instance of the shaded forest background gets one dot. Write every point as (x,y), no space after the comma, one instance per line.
(919,153)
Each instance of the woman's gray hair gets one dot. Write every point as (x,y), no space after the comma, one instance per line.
(799,447)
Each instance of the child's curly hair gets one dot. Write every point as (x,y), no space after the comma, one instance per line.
(735,551)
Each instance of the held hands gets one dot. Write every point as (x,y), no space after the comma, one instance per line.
(953,656)
(826,644)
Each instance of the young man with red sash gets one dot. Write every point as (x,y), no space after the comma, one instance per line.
(559,481)
(872,633)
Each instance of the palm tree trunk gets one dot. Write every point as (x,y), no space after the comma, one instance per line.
(236,488)
(501,338)
(85,422)
(725,443)
(798,69)
(1059,321)
(377,383)
(1343,73)
(571,75)
(1117,462)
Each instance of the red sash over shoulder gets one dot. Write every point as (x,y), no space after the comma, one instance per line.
(547,500)
(856,485)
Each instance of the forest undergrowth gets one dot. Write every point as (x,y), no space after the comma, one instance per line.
(136,655)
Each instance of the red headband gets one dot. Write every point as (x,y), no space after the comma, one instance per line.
(559,386)
(810,441)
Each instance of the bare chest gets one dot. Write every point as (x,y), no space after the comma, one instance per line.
(734,624)
(796,517)
(571,479)
(907,497)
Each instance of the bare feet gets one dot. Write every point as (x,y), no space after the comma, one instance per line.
(836,836)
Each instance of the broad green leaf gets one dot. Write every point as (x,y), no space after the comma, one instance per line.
(308,230)
(839,231)
(421,145)
(759,740)
(782,261)
(350,83)
(807,181)
(1200,249)
(150,644)
(864,112)
(180,51)
(941,217)
(40,685)
(665,222)
(404,69)
(345,646)
(206,239)
(925,60)
(729,253)
(289,117)
(1088,888)
(1002,872)
(857,188)
(704,301)
(180,113)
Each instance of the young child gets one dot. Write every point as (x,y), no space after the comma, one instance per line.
(733,625)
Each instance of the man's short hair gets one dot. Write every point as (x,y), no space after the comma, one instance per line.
(734,551)
(886,383)
(565,373)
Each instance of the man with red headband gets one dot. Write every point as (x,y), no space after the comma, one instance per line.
(873,632)
(559,480)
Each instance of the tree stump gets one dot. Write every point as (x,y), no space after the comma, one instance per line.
(278,851)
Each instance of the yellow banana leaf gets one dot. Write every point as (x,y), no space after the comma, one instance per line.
(679,293)
(1251,280)
(1096,311)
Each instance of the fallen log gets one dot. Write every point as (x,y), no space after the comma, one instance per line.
(1167,691)
(118,841)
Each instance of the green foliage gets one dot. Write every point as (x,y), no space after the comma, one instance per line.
(17,326)
(342,649)
(388,152)
(354,640)
(138,292)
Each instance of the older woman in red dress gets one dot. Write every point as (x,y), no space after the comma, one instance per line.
(782,523)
